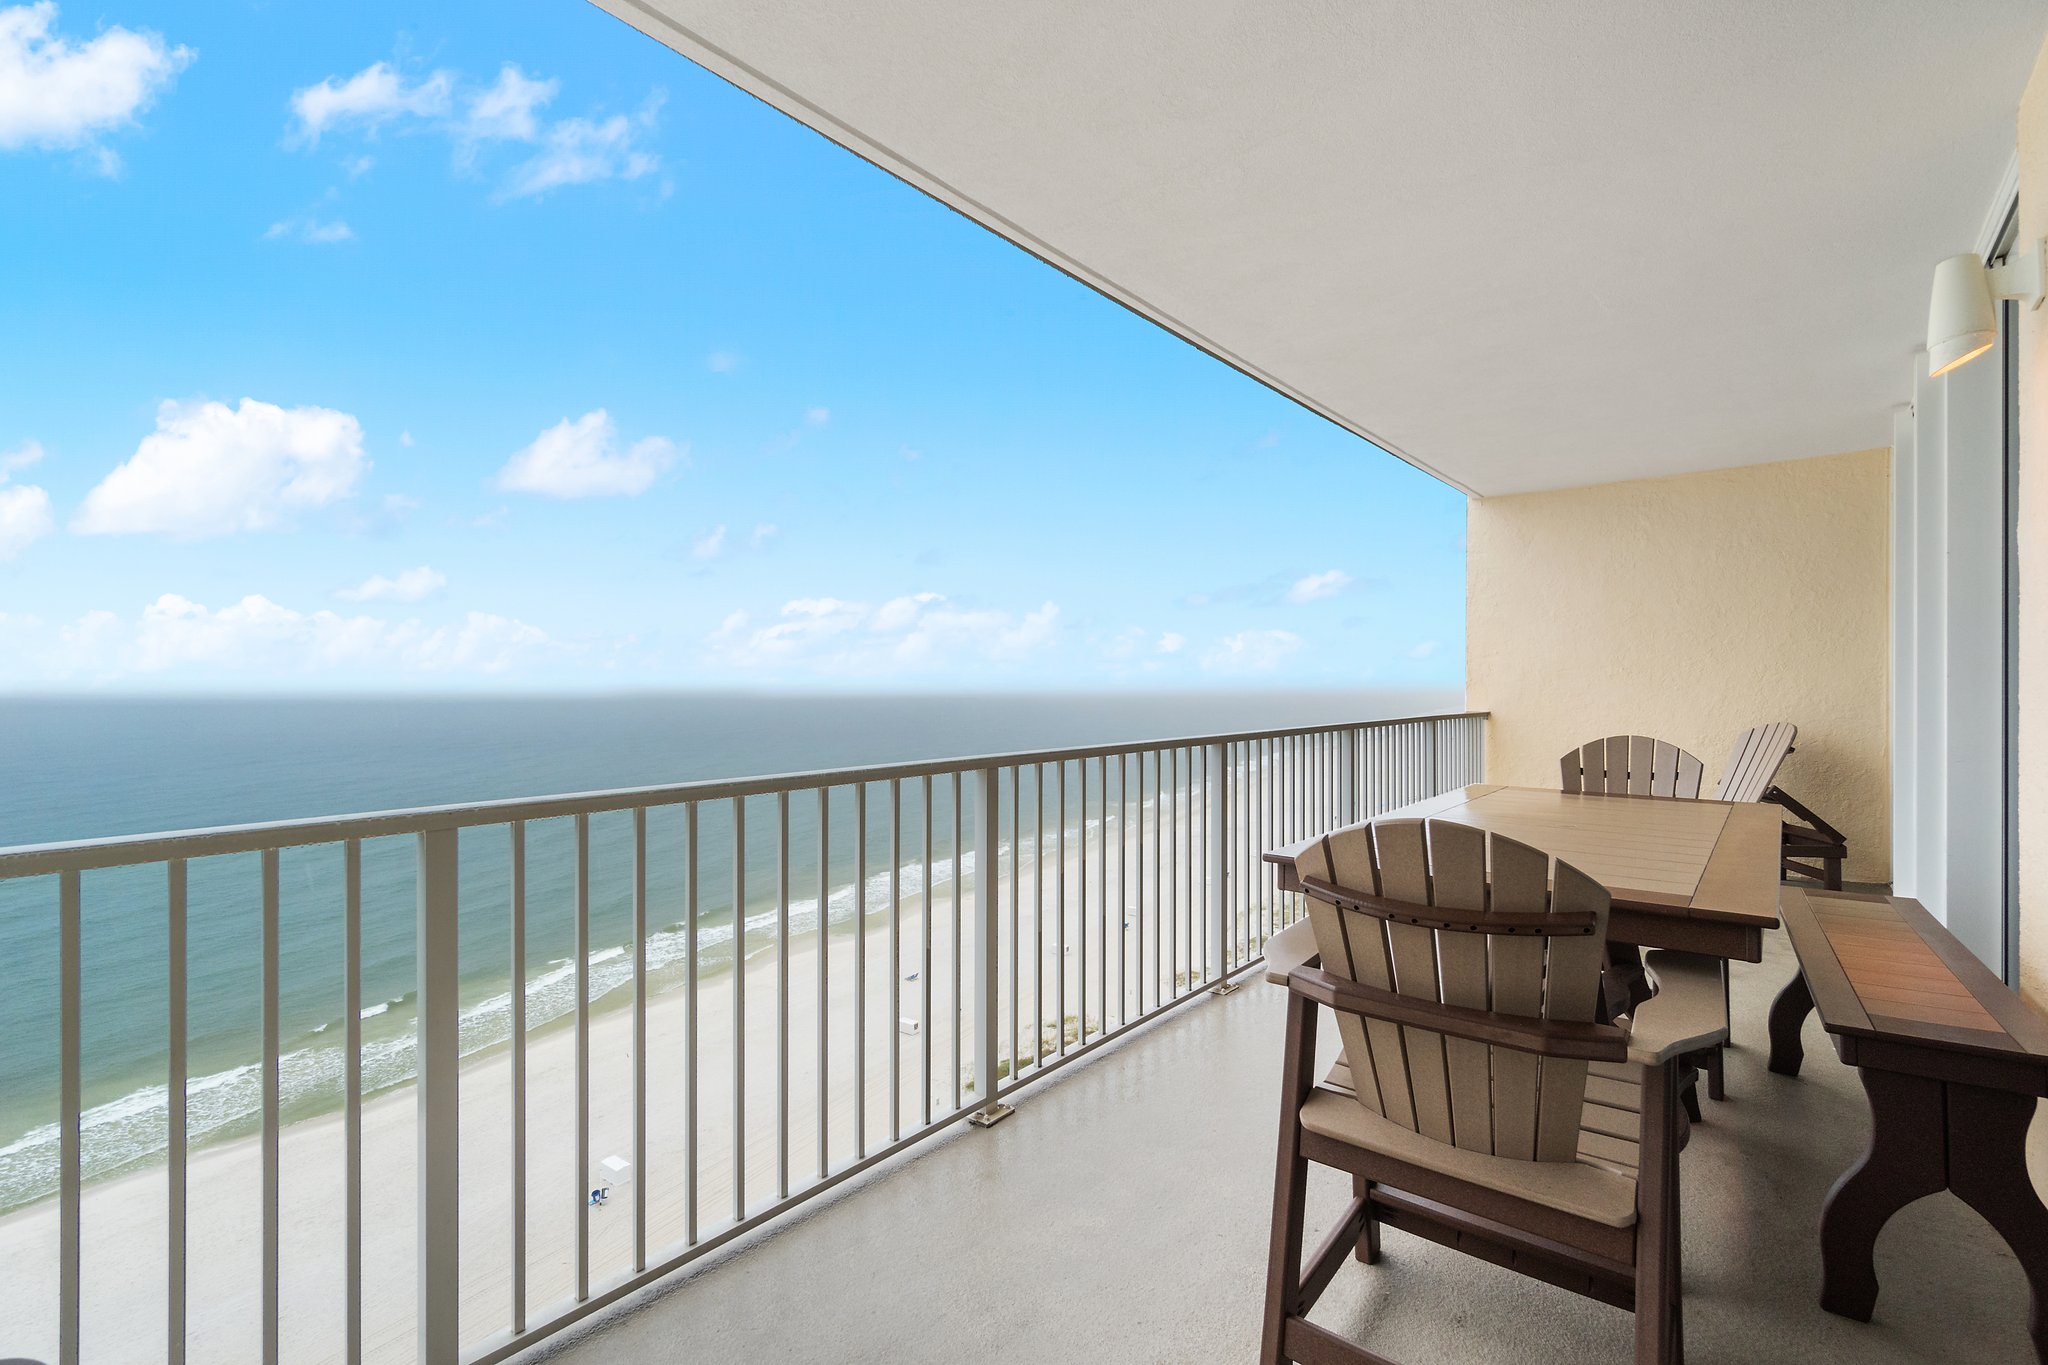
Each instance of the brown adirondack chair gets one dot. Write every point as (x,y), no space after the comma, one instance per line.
(1478,1104)
(1813,847)
(1631,765)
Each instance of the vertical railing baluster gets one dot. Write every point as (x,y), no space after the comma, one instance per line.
(639,1038)
(1215,802)
(351,1098)
(517,832)
(581,975)
(895,959)
(1172,825)
(954,1005)
(924,970)
(739,1009)
(271,1105)
(438,1024)
(1038,914)
(175,1115)
(1138,915)
(1016,930)
(1081,910)
(70,1150)
(986,1005)
(1059,933)
(825,981)
(1102,899)
(690,1065)
(782,994)
(1123,894)
(860,971)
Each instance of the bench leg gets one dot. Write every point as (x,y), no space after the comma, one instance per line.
(1788,1013)
(1987,1168)
(1905,1162)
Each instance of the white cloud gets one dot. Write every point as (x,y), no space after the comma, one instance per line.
(817,417)
(1317,586)
(709,545)
(1425,649)
(581,459)
(24,508)
(764,531)
(409,585)
(58,94)
(258,637)
(508,110)
(919,632)
(1172,643)
(578,151)
(367,100)
(311,231)
(210,470)
(721,362)
(1251,651)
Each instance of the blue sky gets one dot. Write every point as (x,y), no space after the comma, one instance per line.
(409,347)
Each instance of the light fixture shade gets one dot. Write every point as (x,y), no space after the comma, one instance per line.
(1961,323)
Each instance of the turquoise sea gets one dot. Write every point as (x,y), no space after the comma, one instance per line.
(75,769)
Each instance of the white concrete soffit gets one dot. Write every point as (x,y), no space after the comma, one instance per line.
(1520,246)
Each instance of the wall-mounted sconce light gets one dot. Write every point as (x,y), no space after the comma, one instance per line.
(1962,322)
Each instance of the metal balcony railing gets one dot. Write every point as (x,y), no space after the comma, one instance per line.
(829,975)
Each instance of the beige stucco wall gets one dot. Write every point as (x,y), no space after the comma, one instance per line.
(2033,556)
(1691,608)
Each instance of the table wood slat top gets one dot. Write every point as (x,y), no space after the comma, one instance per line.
(1702,859)
(1882,967)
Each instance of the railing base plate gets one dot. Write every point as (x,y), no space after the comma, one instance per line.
(1226,988)
(991,1116)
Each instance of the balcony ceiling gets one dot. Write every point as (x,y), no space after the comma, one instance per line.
(1523,247)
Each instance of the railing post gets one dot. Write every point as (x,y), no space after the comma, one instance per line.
(1217,842)
(439,1027)
(986,863)
(1347,777)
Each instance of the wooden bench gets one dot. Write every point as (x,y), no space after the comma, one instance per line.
(1953,1063)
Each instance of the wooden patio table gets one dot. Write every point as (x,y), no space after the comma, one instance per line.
(1694,876)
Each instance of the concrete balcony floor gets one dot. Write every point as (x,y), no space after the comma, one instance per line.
(1121,1215)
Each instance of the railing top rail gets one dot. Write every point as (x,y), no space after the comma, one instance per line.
(82,855)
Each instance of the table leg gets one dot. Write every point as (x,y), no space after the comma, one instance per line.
(1905,1162)
(1987,1168)
(1788,1013)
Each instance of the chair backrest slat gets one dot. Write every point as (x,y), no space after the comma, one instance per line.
(1356,946)
(1458,864)
(1404,876)
(1521,885)
(1571,989)
(1478,1096)
(1754,761)
(1631,765)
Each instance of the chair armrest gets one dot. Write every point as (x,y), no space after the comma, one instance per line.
(1688,1012)
(1294,946)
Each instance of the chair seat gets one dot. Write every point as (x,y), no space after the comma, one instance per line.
(1599,1187)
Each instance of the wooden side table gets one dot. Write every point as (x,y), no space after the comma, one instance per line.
(1952,1062)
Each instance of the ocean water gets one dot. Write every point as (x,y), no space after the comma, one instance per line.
(72,769)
